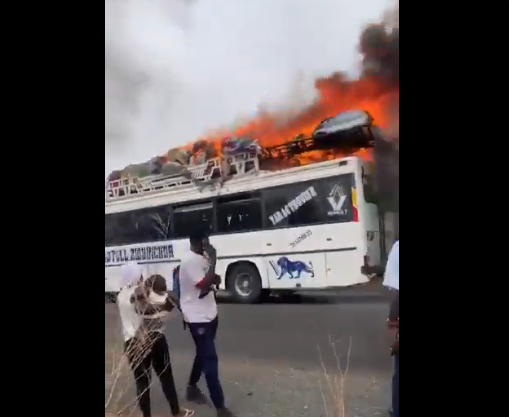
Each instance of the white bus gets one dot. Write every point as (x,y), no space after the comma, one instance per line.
(302,228)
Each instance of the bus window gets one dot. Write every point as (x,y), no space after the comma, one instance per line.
(239,216)
(188,219)
(153,224)
(293,205)
(110,228)
(125,232)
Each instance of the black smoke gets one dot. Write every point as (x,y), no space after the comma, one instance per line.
(380,50)
(379,46)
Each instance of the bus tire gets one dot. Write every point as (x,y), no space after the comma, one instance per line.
(112,297)
(244,283)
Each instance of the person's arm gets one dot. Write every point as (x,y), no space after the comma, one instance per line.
(217,280)
(210,278)
(172,302)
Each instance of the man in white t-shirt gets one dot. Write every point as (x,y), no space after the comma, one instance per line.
(391,280)
(199,308)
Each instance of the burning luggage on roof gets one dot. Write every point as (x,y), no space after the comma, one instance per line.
(237,145)
(337,135)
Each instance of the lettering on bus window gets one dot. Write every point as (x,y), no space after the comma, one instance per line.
(293,206)
(326,200)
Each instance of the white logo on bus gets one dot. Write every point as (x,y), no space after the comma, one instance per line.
(337,198)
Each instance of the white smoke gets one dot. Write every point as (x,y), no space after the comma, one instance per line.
(175,69)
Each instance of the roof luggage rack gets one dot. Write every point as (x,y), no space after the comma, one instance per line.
(339,142)
(213,171)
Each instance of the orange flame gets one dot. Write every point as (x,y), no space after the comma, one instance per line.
(334,96)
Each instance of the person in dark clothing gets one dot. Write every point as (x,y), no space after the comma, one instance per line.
(391,280)
(393,325)
(142,360)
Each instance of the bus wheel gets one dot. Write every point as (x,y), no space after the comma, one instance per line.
(112,297)
(244,283)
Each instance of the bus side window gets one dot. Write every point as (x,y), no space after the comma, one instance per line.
(126,228)
(239,216)
(153,224)
(277,199)
(110,223)
(115,233)
(188,219)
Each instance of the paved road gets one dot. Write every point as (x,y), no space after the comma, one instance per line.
(270,354)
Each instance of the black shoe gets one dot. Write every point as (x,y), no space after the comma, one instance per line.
(225,412)
(195,395)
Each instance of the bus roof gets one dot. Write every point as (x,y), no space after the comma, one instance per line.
(180,190)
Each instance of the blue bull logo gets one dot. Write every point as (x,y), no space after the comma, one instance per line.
(293,268)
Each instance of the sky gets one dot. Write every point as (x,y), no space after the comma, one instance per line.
(175,69)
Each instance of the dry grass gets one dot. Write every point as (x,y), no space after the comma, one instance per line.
(335,391)
(336,382)
(117,380)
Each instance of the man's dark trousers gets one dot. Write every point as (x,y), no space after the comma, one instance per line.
(395,388)
(204,336)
